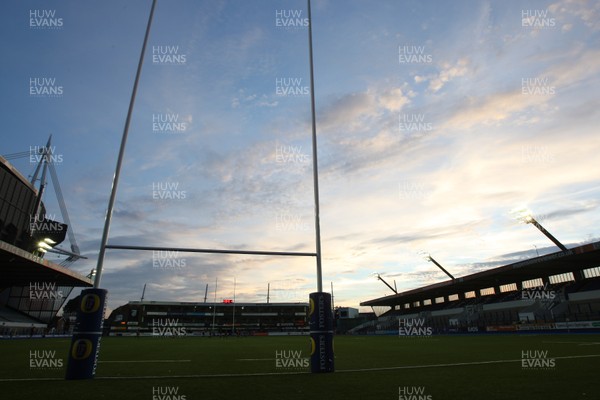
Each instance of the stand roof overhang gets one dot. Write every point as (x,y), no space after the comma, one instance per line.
(575,259)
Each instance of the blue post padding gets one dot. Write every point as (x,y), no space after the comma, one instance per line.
(85,343)
(321,333)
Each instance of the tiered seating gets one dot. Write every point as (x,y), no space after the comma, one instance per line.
(494,312)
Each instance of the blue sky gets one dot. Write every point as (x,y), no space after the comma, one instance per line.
(414,156)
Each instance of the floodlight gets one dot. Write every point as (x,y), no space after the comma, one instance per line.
(431,259)
(526,217)
(43,245)
(522,214)
(425,255)
(394,289)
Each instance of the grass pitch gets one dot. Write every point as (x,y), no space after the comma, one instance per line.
(388,367)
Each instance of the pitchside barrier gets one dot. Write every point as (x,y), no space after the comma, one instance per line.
(85,344)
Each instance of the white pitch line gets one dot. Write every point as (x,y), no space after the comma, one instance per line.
(146,361)
(298,373)
(563,342)
(29,379)
(205,376)
(577,343)
(458,364)
(256,359)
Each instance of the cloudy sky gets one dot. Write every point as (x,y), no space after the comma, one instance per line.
(434,119)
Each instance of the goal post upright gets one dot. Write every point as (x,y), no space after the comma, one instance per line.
(85,344)
(314,154)
(320,314)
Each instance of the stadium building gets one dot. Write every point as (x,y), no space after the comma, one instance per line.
(553,292)
(158,318)
(32,288)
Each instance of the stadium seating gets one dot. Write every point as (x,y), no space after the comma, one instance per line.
(570,301)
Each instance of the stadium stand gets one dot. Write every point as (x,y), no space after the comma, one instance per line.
(558,291)
(32,288)
(156,318)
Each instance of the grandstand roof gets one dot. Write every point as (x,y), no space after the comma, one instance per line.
(575,259)
(20,268)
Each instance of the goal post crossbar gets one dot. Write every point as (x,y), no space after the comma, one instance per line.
(211,251)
